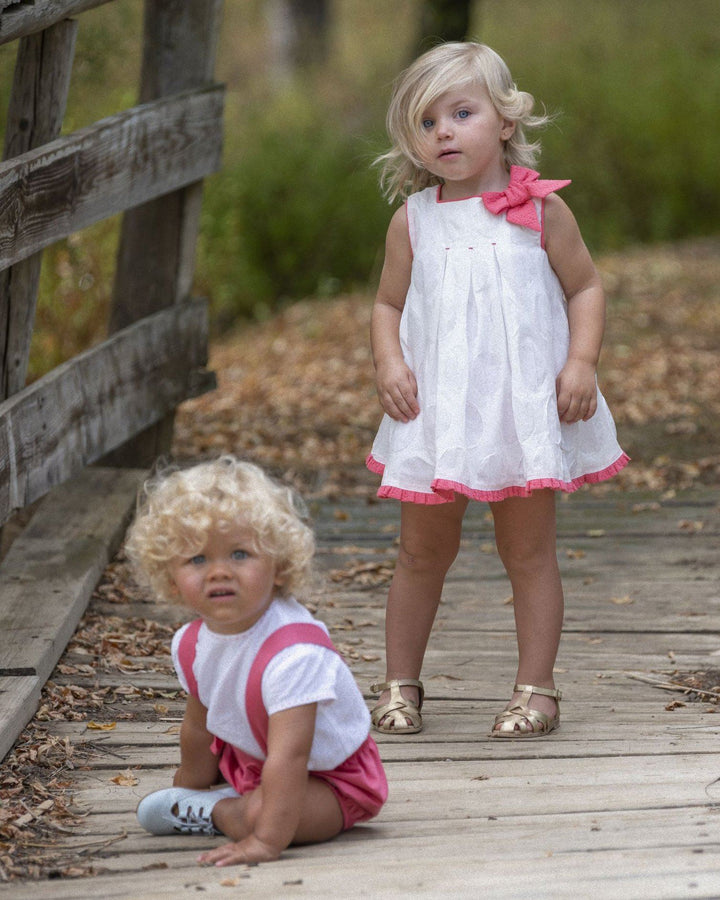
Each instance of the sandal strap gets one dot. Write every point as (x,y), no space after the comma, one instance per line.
(532,689)
(538,721)
(394,686)
(393,716)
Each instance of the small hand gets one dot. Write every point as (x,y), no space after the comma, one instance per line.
(397,390)
(576,392)
(249,850)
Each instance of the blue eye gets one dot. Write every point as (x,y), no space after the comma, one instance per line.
(427,123)
(240,554)
(197,560)
(463,113)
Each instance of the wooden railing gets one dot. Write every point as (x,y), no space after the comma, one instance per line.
(114,402)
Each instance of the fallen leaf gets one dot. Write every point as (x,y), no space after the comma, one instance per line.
(676,704)
(693,527)
(125,779)
(622,601)
(101,726)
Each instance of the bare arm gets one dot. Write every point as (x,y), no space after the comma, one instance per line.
(198,765)
(569,257)
(396,385)
(282,791)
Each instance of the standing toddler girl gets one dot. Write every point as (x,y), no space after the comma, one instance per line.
(272,709)
(486,333)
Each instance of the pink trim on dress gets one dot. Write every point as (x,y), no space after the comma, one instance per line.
(444,491)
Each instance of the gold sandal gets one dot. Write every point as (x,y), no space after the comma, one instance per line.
(398,709)
(530,722)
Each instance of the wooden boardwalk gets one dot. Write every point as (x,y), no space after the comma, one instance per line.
(624,802)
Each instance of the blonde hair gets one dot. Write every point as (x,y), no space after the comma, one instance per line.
(444,68)
(179,508)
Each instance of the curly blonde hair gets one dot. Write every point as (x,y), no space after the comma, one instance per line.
(178,509)
(446,67)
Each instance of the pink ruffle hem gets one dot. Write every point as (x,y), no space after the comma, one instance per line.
(444,491)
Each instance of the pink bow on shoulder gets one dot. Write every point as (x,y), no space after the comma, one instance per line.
(516,199)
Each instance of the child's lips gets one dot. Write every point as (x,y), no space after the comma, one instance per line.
(221,594)
(444,154)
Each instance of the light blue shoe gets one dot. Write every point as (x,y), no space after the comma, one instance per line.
(179,810)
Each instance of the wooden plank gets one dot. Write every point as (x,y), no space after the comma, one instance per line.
(574,832)
(514,786)
(19,18)
(37,107)
(163,757)
(19,698)
(110,166)
(437,869)
(47,578)
(86,407)
(52,568)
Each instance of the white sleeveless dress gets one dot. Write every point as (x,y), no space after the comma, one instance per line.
(485,332)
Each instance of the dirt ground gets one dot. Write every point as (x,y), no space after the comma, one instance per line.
(297,394)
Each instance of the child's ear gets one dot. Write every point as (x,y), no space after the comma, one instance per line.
(507,131)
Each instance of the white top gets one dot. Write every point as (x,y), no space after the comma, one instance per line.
(485,331)
(303,673)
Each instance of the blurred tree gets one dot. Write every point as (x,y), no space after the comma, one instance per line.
(443,20)
(298,34)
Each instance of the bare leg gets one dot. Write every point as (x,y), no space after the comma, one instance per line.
(429,541)
(320,819)
(525,534)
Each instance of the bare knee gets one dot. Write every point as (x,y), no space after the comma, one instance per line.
(525,558)
(236,818)
(420,557)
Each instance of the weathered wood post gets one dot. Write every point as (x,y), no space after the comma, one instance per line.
(90,406)
(37,106)
(156,258)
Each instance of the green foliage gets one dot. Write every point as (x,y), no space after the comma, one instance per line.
(295,212)
(637,88)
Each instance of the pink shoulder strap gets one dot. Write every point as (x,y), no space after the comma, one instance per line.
(186,654)
(298,633)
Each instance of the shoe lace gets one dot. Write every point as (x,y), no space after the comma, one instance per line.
(194,822)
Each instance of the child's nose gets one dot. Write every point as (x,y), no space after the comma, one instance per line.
(444,128)
(219,568)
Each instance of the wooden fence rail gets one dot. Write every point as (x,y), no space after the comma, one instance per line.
(48,193)
(148,161)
